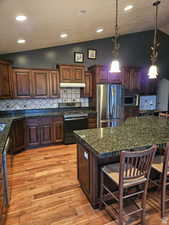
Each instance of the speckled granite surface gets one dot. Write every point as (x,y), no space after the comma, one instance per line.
(9,118)
(133,133)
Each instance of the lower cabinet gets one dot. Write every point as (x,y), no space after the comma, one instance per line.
(18,135)
(57,130)
(44,131)
(92,121)
(84,168)
(32,133)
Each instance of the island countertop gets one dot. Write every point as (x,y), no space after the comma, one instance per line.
(135,132)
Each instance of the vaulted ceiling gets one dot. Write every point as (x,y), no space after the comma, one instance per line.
(46,20)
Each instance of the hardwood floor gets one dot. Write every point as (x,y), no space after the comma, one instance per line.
(45,191)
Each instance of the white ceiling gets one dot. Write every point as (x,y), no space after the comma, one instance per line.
(48,18)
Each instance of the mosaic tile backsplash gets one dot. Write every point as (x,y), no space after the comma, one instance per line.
(66,95)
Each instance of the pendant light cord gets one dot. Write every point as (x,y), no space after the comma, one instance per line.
(155,44)
(115,40)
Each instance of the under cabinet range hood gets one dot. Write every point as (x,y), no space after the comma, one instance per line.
(72,85)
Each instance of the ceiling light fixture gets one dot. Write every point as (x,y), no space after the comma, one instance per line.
(153,70)
(21,18)
(99,30)
(21,41)
(115,65)
(128,7)
(64,35)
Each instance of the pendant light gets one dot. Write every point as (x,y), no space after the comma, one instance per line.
(153,70)
(115,65)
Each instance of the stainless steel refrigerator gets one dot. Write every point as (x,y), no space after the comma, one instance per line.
(110,105)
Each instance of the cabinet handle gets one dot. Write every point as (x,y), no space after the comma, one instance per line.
(86,155)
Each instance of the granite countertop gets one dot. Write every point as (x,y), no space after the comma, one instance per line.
(135,132)
(9,117)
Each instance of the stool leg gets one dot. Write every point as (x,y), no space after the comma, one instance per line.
(163,196)
(121,221)
(144,195)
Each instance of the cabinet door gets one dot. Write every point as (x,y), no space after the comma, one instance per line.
(87,91)
(57,130)
(92,121)
(32,132)
(102,75)
(66,73)
(22,83)
(46,134)
(19,135)
(78,74)
(84,168)
(5,80)
(40,83)
(54,84)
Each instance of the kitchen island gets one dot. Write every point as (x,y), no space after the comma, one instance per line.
(98,147)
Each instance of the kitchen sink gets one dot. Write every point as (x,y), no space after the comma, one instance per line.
(2,126)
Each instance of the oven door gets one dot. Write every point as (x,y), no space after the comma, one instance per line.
(73,124)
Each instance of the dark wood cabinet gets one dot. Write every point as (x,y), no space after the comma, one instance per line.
(92,121)
(87,91)
(131,111)
(40,83)
(18,135)
(57,129)
(71,73)
(22,83)
(131,79)
(44,130)
(5,80)
(84,168)
(32,132)
(54,84)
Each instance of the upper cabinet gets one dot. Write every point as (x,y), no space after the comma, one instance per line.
(131,79)
(5,80)
(54,84)
(72,73)
(87,91)
(35,83)
(22,83)
(40,80)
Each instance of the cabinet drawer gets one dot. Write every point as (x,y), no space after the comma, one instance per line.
(45,121)
(32,121)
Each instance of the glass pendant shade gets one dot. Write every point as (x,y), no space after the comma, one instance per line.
(153,72)
(115,67)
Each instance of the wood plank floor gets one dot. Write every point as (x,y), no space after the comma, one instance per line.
(45,191)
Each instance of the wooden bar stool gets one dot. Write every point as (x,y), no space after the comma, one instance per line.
(133,170)
(161,165)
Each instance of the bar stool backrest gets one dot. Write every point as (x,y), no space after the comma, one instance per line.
(136,164)
(166,161)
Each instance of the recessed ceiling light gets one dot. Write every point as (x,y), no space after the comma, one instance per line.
(128,7)
(21,18)
(99,30)
(21,41)
(82,12)
(64,35)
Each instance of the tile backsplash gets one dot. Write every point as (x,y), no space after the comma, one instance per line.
(66,95)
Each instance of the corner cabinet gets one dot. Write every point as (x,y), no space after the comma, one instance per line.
(72,73)
(5,80)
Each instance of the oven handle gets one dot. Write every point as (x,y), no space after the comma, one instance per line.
(71,119)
